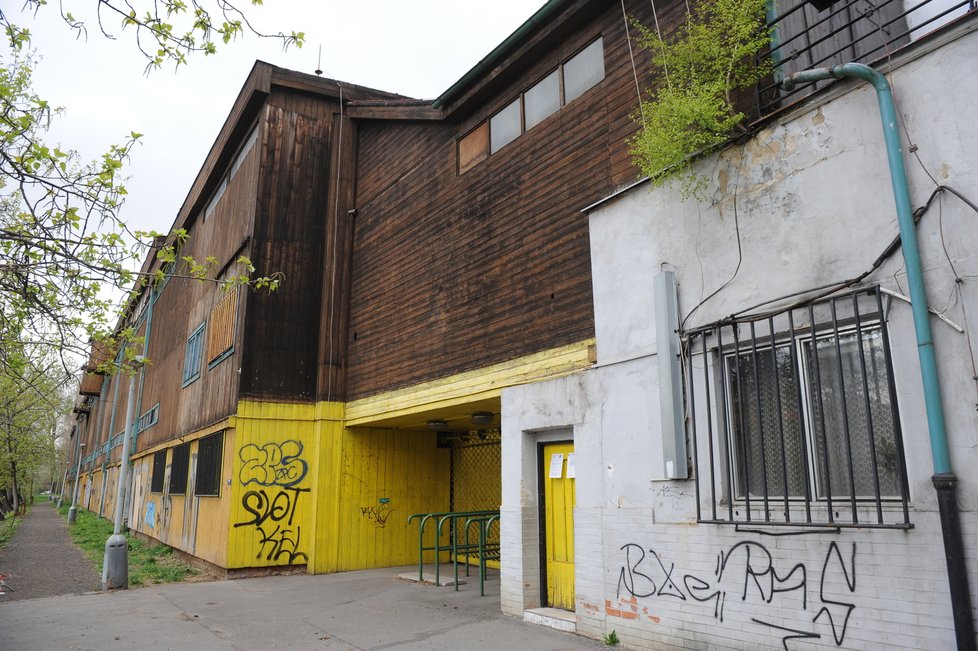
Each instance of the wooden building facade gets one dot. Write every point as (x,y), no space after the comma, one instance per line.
(432,253)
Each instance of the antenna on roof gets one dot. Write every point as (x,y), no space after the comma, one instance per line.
(319,63)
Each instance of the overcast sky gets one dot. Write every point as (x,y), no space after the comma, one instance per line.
(414,47)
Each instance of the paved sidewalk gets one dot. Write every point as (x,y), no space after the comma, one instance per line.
(370,609)
(42,561)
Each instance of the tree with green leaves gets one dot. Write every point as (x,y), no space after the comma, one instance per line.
(34,395)
(699,69)
(68,260)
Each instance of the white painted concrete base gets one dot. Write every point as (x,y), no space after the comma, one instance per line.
(446,576)
(562,620)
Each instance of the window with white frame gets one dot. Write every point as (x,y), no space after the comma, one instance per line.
(798,414)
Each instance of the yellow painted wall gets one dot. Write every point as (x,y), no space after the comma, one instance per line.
(385,476)
(111,479)
(272,484)
(328,485)
(212,513)
(92,488)
(196,524)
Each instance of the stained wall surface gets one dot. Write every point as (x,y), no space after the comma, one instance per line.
(805,202)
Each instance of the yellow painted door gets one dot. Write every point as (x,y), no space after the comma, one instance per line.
(559,500)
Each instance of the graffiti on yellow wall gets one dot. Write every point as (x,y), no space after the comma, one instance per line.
(273,464)
(271,473)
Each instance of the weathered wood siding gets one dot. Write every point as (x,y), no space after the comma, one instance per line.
(183,306)
(452,271)
(281,336)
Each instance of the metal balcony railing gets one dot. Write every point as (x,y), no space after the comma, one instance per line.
(819,33)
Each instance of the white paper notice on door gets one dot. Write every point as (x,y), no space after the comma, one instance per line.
(556,465)
(571,471)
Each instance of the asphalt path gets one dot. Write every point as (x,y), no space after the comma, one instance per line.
(349,611)
(42,561)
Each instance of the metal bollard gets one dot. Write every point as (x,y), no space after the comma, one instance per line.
(115,564)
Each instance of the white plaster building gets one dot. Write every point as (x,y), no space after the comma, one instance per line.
(805,204)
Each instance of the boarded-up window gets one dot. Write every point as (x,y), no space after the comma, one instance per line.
(473,148)
(208,475)
(220,338)
(159,470)
(178,469)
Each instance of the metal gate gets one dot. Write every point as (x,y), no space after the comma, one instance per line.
(476,472)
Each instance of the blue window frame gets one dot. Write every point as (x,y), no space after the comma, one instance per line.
(193,355)
(148,419)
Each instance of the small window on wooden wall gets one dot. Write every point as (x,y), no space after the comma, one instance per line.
(505,126)
(178,469)
(583,70)
(220,337)
(542,100)
(473,148)
(567,82)
(191,358)
(159,471)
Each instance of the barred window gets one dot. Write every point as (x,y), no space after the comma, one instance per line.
(159,471)
(179,465)
(799,415)
(210,450)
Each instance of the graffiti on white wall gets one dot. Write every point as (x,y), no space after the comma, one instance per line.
(748,572)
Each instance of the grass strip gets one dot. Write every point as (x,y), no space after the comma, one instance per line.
(147,563)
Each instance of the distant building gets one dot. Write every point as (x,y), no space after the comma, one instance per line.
(468,321)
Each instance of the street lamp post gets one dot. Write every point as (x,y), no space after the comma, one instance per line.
(73,511)
(115,563)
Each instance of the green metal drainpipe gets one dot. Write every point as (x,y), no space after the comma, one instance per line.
(944,479)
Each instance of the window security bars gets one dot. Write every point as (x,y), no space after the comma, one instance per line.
(804,36)
(159,472)
(794,420)
(179,465)
(210,450)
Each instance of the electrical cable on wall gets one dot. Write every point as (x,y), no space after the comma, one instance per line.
(331,249)
(631,57)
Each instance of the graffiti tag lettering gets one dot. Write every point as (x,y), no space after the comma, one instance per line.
(281,543)
(276,508)
(273,464)
(377,514)
(747,570)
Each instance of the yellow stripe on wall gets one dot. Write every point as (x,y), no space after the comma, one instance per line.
(481,384)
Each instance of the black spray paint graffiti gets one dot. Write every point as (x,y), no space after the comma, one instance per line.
(273,464)
(278,511)
(747,569)
(377,514)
